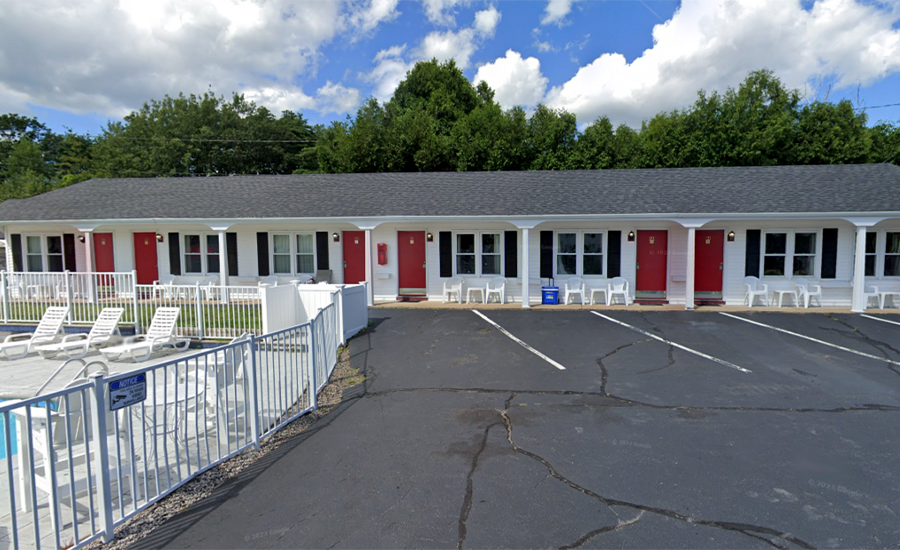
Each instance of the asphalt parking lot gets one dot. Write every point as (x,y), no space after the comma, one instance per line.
(661,430)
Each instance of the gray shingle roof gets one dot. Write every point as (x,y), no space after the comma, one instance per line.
(777,189)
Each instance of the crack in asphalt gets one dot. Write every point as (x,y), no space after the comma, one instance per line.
(622,401)
(871,341)
(664,337)
(604,374)
(467,500)
(591,534)
(755,531)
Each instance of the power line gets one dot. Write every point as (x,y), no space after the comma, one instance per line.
(218,140)
(877,106)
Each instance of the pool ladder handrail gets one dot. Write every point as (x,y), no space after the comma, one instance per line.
(84,371)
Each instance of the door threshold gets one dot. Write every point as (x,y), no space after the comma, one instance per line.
(650,302)
(412,298)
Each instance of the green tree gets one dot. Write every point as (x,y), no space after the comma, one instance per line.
(552,135)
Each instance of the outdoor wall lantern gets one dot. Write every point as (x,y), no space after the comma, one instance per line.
(429,237)
(731,236)
(81,238)
(335,237)
(159,238)
(631,236)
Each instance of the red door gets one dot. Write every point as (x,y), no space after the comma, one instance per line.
(652,248)
(145,258)
(103,252)
(354,257)
(411,260)
(708,260)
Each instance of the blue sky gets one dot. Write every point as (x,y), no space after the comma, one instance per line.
(96,60)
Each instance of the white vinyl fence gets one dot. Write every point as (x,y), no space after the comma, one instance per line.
(82,460)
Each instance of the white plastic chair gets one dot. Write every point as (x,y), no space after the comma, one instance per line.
(618,286)
(47,332)
(161,333)
(105,328)
(754,289)
(165,287)
(807,291)
(210,286)
(870,293)
(575,285)
(496,286)
(269,280)
(453,285)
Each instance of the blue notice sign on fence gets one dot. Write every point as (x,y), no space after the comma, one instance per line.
(127,391)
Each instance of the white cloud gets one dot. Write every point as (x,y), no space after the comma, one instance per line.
(713,44)
(516,81)
(441,12)
(390,69)
(486,21)
(336,98)
(109,56)
(556,12)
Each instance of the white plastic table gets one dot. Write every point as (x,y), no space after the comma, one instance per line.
(894,295)
(792,293)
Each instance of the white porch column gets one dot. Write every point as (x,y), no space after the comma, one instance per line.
(370,279)
(691,264)
(89,251)
(858,305)
(223,259)
(526,295)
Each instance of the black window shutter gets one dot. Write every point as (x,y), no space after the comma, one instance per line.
(231,245)
(69,252)
(17,251)
(511,248)
(614,254)
(829,253)
(321,250)
(546,254)
(174,254)
(445,252)
(751,255)
(262,253)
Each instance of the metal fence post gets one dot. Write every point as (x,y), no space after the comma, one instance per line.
(314,389)
(134,294)
(254,396)
(101,454)
(200,331)
(68,279)
(5,292)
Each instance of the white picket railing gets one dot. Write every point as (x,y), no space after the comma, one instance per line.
(66,486)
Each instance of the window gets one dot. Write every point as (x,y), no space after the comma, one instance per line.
(892,254)
(871,253)
(306,254)
(566,254)
(804,254)
(198,247)
(592,261)
(579,253)
(790,254)
(775,252)
(294,254)
(478,253)
(41,250)
(490,254)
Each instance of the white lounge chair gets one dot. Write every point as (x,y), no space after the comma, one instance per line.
(452,286)
(17,346)
(269,280)
(755,289)
(806,291)
(497,287)
(160,334)
(574,286)
(76,346)
(618,286)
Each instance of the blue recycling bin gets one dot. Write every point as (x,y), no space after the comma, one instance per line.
(549,294)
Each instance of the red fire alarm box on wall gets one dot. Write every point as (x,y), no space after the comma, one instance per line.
(382,253)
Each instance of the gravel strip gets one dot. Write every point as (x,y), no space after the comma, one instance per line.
(203,485)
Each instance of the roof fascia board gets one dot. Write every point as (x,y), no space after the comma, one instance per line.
(531,220)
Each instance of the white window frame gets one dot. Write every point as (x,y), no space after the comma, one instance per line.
(881,253)
(874,255)
(479,245)
(204,253)
(45,260)
(292,239)
(579,253)
(884,254)
(790,242)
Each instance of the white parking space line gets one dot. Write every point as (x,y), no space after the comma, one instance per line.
(674,344)
(519,341)
(879,319)
(811,339)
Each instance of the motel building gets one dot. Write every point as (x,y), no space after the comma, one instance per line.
(678,236)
